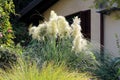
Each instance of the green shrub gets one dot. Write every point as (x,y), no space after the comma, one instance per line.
(25,71)
(108,69)
(6,32)
(106,66)
(21,32)
(7,57)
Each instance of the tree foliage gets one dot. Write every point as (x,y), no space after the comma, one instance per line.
(6,32)
(106,3)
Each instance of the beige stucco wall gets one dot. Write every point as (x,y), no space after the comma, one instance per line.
(112,27)
(66,7)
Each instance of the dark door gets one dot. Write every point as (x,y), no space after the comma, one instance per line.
(85,17)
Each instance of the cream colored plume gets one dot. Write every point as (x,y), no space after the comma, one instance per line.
(52,29)
(38,32)
(76,28)
(64,29)
(53,15)
(79,43)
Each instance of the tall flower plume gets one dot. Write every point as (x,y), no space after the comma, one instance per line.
(79,43)
(52,29)
(58,26)
(63,27)
(38,32)
(76,28)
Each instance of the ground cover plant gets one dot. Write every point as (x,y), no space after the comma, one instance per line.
(7,58)
(26,71)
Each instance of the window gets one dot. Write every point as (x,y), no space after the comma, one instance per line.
(85,17)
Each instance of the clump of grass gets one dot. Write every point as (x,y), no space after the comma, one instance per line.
(25,71)
(56,40)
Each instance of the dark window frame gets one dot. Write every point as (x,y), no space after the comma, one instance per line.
(85,17)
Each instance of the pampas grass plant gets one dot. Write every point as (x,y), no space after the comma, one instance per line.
(56,40)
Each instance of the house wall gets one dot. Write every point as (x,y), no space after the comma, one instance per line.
(112,27)
(67,7)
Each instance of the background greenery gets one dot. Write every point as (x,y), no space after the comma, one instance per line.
(6,32)
(108,3)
